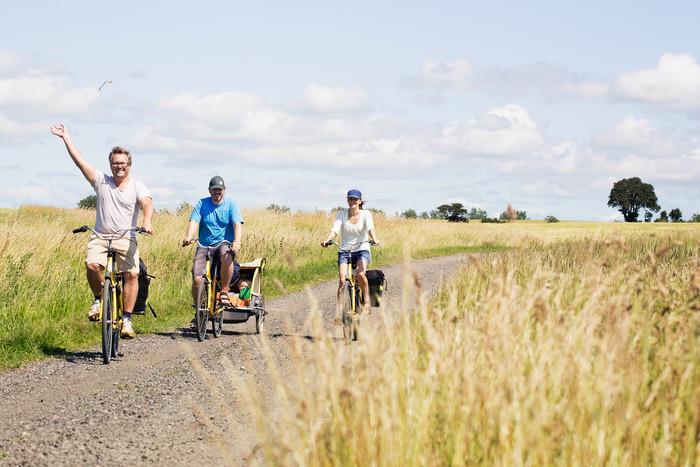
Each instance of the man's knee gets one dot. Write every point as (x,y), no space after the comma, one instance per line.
(131,276)
(196,280)
(93,267)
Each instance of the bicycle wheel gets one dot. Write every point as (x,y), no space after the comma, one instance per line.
(356,315)
(260,316)
(107,324)
(346,312)
(202,313)
(217,322)
(115,344)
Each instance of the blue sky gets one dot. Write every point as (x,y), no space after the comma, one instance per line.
(542,104)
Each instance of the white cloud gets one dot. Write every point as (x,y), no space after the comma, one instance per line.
(334,98)
(48,94)
(544,79)
(630,132)
(547,189)
(9,61)
(438,74)
(675,82)
(505,130)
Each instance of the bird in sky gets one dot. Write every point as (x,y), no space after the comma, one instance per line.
(109,81)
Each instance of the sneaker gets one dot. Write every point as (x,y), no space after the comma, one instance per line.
(127,329)
(94,313)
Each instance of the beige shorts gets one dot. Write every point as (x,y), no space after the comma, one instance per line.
(127,253)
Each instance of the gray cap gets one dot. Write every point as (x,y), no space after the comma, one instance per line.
(217,182)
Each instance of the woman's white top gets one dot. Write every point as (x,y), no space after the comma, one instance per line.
(354,237)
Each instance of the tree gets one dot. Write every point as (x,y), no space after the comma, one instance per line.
(647,216)
(511,214)
(409,214)
(551,219)
(663,217)
(424,215)
(455,212)
(521,215)
(629,195)
(675,215)
(89,202)
(184,208)
(476,213)
(277,209)
(695,218)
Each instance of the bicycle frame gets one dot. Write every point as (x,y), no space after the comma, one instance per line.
(112,293)
(211,281)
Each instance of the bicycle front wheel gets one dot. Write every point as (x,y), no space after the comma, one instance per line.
(202,314)
(107,321)
(346,299)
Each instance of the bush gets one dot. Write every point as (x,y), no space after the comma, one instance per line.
(409,214)
(551,219)
(492,220)
(277,208)
(89,202)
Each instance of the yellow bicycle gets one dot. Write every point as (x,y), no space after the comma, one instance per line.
(350,299)
(206,306)
(111,301)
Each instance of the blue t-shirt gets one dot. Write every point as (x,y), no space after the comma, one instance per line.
(216,220)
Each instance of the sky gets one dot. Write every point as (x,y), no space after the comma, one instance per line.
(541,104)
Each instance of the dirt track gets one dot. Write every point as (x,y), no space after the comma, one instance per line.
(167,401)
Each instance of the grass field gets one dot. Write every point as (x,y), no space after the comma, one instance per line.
(579,346)
(44,295)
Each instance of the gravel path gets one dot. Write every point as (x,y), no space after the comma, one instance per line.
(170,399)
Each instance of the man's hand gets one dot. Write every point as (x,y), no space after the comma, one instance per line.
(147,228)
(236,247)
(187,241)
(59,130)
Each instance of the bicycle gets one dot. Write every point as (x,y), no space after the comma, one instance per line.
(111,300)
(205,305)
(350,298)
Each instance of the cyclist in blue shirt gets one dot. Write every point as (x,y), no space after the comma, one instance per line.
(218,221)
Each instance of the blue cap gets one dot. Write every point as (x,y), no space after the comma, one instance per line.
(355,194)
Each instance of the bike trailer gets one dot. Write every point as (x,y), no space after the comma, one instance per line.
(250,272)
(377,285)
(142,296)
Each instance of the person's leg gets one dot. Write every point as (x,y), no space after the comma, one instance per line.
(199,263)
(226,265)
(196,280)
(131,290)
(95,277)
(95,262)
(342,274)
(364,284)
(127,255)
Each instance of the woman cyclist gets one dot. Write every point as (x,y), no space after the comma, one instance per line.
(356,229)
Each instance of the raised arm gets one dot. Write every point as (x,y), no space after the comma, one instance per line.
(88,171)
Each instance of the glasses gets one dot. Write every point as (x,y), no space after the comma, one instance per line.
(119,164)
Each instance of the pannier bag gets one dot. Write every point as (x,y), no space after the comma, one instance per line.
(377,285)
(142,296)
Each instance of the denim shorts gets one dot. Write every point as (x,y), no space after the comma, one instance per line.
(354,256)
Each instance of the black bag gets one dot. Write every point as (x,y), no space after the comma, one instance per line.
(377,285)
(142,296)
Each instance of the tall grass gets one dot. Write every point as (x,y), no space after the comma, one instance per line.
(44,294)
(583,351)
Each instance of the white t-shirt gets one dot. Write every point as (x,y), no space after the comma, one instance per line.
(354,237)
(117,208)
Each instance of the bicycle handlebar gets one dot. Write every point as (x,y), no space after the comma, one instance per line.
(333,242)
(119,234)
